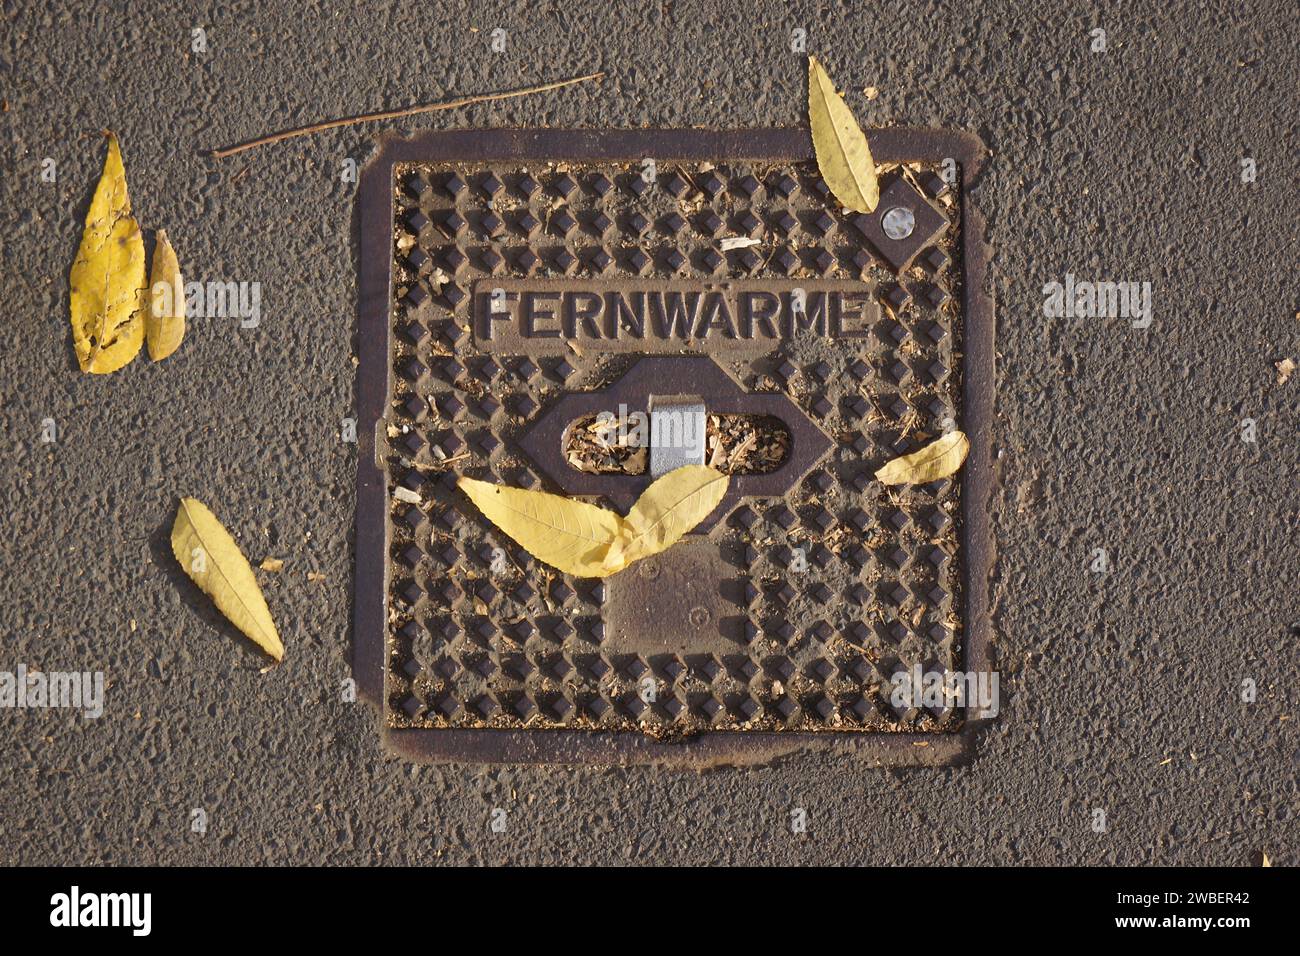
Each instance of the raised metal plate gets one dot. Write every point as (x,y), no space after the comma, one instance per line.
(484,258)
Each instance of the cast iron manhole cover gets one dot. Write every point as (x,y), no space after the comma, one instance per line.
(514,285)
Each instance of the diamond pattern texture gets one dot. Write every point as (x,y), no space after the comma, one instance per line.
(831,589)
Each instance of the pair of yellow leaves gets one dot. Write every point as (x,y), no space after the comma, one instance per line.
(212,559)
(588,541)
(110,316)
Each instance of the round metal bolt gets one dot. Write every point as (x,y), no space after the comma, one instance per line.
(898,222)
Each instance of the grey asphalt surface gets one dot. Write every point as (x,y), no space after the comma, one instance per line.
(1121,691)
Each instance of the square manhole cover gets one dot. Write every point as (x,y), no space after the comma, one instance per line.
(530,302)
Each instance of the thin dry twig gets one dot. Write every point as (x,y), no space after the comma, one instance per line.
(438,465)
(394,114)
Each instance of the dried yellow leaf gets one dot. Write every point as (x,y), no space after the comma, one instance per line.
(209,555)
(164,323)
(670,507)
(939,459)
(570,535)
(842,155)
(107,278)
(588,541)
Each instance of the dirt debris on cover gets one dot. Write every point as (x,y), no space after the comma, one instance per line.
(734,444)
